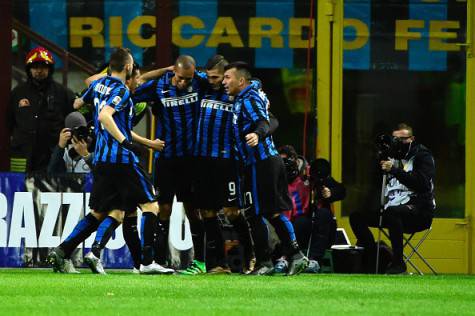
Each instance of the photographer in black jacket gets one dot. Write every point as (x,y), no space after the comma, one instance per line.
(409,196)
(325,191)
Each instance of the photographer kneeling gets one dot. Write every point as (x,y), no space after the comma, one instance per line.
(409,196)
(71,155)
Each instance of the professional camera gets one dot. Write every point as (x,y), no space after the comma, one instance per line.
(77,124)
(291,162)
(81,132)
(291,168)
(320,171)
(390,147)
(384,147)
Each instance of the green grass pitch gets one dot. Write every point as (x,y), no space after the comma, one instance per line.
(42,292)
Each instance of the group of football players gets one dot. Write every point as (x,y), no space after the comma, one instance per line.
(213,151)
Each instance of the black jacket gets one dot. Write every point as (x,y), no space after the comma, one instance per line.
(35,128)
(420,179)
(338,192)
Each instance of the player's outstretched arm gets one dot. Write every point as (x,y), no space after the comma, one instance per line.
(156,144)
(92,78)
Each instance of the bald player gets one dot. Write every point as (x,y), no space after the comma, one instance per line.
(176,97)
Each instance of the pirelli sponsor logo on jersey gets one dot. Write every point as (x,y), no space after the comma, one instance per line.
(217,105)
(177,101)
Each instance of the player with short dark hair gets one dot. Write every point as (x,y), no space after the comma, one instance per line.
(263,177)
(214,184)
(129,225)
(119,182)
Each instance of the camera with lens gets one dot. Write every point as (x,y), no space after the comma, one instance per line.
(320,171)
(390,147)
(384,147)
(80,132)
(291,168)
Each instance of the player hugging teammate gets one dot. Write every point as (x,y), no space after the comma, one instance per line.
(218,154)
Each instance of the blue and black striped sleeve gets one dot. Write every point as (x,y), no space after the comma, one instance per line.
(146,92)
(87,96)
(256,109)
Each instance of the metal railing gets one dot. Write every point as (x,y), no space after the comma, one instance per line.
(65,56)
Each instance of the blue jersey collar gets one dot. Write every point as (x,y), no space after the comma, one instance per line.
(243,92)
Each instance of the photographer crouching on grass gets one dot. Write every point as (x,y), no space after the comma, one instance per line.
(409,195)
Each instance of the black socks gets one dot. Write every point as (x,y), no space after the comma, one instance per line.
(242,229)
(214,237)
(161,241)
(260,236)
(131,236)
(149,221)
(198,233)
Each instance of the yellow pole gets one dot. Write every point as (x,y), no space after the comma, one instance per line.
(337,91)
(470,137)
(324,57)
(330,85)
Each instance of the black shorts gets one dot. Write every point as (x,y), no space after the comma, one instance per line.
(214,183)
(120,187)
(173,176)
(264,188)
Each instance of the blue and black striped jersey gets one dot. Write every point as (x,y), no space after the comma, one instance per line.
(111,91)
(214,136)
(177,112)
(249,108)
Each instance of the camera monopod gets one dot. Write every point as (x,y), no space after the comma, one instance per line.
(380,223)
(314,218)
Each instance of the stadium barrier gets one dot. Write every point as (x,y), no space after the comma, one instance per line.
(38,211)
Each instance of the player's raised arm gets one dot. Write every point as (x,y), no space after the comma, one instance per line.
(154,74)
(93,78)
